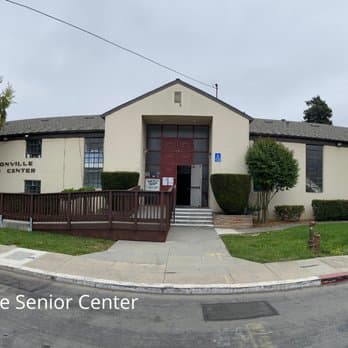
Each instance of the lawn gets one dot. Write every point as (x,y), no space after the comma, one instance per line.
(53,242)
(289,244)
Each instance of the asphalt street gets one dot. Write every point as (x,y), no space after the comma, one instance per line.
(314,317)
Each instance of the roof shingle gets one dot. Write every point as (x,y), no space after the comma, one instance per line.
(51,125)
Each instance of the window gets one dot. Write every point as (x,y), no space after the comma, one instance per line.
(92,178)
(314,168)
(94,154)
(94,161)
(32,186)
(34,147)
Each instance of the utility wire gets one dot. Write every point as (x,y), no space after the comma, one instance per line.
(110,42)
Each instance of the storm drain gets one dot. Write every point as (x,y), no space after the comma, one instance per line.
(237,310)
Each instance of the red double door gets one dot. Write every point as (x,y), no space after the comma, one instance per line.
(175,152)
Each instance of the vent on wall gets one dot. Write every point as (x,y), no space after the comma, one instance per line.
(177,98)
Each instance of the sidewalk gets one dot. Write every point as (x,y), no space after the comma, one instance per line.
(193,260)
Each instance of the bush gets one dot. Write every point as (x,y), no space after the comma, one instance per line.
(325,210)
(119,180)
(231,192)
(289,212)
(81,189)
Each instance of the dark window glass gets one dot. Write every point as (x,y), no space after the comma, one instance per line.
(94,161)
(201,132)
(153,157)
(34,148)
(200,158)
(170,131)
(153,131)
(94,154)
(201,145)
(185,132)
(32,186)
(153,144)
(92,178)
(152,171)
(314,168)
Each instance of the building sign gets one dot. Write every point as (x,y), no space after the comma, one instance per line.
(152,184)
(167,181)
(17,167)
(218,157)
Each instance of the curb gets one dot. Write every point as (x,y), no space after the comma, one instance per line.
(333,278)
(167,288)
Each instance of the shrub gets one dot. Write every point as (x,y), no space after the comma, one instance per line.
(289,212)
(119,180)
(325,210)
(81,189)
(231,192)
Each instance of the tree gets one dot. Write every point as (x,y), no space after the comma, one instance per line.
(318,111)
(6,99)
(272,168)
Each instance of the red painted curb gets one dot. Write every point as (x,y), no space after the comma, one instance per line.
(333,278)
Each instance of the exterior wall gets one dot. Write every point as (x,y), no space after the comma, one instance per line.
(60,166)
(124,131)
(335,167)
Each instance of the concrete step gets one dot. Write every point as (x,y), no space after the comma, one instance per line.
(177,220)
(202,217)
(192,225)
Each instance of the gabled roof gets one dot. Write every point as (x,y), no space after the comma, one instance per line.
(54,125)
(297,130)
(185,84)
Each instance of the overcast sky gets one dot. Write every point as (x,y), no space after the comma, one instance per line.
(268,56)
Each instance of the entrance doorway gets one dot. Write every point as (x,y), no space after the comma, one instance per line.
(189,185)
(183,185)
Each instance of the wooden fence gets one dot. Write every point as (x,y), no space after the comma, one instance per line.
(132,214)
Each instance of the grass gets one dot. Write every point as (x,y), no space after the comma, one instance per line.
(53,242)
(289,244)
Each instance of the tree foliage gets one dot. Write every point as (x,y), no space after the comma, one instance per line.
(318,111)
(6,99)
(272,168)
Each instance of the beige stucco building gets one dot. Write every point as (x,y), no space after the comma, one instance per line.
(174,135)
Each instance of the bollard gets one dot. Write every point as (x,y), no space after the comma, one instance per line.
(316,239)
(311,234)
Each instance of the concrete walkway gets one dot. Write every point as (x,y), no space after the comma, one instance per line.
(190,257)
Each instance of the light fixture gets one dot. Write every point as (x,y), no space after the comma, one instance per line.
(339,144)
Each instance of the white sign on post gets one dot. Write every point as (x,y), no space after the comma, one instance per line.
(152,184)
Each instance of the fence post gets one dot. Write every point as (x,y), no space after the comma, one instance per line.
(69,212)
(110,210)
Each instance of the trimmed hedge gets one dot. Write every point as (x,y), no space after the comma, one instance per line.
(325,210)
(119,180)
(289,212)
(231,192)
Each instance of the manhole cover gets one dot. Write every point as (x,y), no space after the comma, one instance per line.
(237,310)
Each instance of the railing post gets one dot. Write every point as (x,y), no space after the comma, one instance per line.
(161,209)
(69,212)
(110,210)
(1,203)
(31,207)
(136,198)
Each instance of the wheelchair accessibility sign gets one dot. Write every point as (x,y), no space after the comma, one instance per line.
(218,157)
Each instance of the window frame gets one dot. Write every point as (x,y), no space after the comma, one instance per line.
(36,191)
(313,167)
(93,161)
(29,153)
